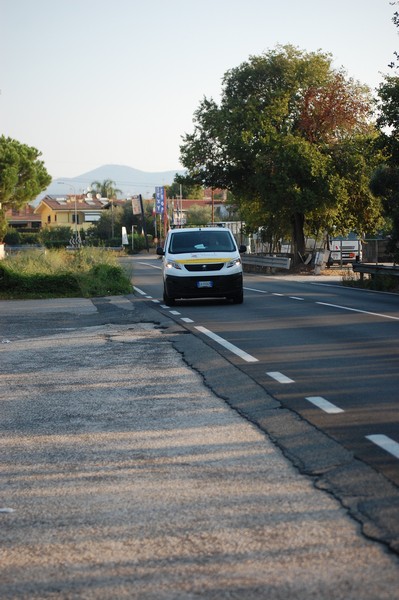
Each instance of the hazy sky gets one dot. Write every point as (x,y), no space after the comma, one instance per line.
(93,82)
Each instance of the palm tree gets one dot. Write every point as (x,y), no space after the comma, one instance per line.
(108,190)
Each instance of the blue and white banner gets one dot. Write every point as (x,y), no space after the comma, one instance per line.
(160,200)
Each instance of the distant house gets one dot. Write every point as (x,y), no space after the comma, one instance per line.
(23,218)
(65,211)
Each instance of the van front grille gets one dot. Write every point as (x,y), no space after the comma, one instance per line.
(203,267)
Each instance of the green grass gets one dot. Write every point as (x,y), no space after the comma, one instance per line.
(86,273)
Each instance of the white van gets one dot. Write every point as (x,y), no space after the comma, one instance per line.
(201,262)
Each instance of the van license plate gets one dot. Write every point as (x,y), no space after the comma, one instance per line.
(204,284)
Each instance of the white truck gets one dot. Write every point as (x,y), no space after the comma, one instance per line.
(345,250)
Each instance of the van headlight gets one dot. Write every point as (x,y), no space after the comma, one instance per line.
(233,263)
(171,264)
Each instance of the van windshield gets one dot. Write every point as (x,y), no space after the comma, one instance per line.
(201,241)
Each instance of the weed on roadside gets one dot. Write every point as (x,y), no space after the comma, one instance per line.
(85,272)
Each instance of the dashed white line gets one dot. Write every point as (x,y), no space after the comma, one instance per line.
(386,443)
(244,355)
(136,289)
(174,312)
(324,404)
(296,298)
(255,290)
(187,320)
(280,377)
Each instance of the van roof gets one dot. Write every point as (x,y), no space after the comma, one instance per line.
(201,228)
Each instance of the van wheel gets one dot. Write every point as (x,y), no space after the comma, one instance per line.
(238,298)
(167,299)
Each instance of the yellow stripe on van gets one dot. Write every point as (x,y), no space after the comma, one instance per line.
(200,261)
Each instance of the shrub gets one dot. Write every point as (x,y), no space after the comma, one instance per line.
(30,237)
(102,280)
(58,273)
(12,237)
(55,237)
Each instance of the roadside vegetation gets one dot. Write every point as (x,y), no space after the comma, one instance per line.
(42,273)
(380,283)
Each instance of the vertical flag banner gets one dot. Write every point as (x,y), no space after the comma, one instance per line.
(143,223)
(160,200)
(136,205)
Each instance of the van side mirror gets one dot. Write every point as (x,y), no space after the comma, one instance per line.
(160,251)
(242,249)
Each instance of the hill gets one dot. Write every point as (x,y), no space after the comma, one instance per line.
(130,181)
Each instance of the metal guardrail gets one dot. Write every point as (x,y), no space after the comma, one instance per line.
(272,262)
(24,248)
(375,269)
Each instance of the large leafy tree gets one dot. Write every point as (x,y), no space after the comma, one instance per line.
(385,179)
(274,139)
(22,177)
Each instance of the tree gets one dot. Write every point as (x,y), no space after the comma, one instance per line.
(106,188)
(109,221)
(22,177)
(273,139)
(184,185)
(395,21)
(199,215)
(385,179)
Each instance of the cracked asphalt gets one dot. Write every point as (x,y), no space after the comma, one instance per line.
(137,463)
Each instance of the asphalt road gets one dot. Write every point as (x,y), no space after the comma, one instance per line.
(138,461)
(327,352)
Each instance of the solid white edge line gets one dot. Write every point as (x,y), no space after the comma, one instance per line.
(386,443)
(365,312)
(149,265)
(244,355)
(280,377)
(324,404)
